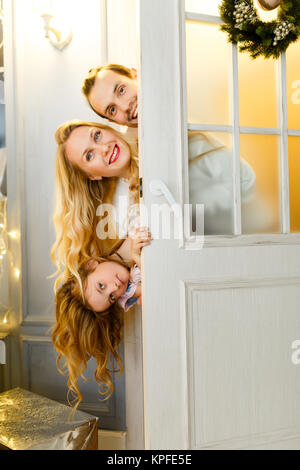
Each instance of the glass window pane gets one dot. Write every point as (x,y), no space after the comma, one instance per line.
(206,7)
(208,79)
(260,213)
(294,171)
(258,92)
(210,180)
(293,85)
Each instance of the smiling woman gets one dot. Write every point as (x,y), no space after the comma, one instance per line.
(91,161)
(98,152)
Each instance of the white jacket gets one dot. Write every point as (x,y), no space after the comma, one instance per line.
(211,184)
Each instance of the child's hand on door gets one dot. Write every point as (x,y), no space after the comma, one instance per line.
(139,238)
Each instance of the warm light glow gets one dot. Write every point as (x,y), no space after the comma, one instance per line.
(205,7)
(13,235)
(17,273)
(5,320)
(42,5)
(208,103)
(265,15)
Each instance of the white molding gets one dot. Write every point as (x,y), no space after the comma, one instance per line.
(294,132)
(259,130)
(38,320)
(260,440)
(103,31)
(35,339)
(239,283)
(212,241)
(186,359)
(243,129)
(183,177)
(236,173)
(284,151)
(203,18)
(209,127)
(188,289)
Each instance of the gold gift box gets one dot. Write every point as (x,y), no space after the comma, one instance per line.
(31,422)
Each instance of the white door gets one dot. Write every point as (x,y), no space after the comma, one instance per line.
(219,320)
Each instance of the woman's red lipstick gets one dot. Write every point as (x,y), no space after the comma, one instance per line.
(115,155)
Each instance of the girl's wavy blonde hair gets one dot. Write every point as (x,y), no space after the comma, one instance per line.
(80,333)
(77,199)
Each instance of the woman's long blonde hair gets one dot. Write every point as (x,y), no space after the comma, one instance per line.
(77,199)
(80,333)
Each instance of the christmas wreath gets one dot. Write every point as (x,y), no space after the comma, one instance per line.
(270,39)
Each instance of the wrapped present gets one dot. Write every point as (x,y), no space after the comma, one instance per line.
(31,422)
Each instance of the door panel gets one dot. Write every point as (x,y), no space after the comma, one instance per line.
(241,380)
(219,319)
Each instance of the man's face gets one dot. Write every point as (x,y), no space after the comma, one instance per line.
(115,97)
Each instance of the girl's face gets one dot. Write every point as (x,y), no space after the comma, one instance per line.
(98,152)
(105,284)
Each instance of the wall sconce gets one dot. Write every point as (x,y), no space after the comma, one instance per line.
(57,38)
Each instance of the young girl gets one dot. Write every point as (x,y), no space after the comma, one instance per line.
(89,314)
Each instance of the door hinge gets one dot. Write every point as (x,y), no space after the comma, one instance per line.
(141,187)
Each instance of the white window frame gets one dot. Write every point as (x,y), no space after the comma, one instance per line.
(237,238)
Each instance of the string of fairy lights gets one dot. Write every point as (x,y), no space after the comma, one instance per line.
(4,309)
(6,259)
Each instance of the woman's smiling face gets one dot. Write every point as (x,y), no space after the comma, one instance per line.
(98,152)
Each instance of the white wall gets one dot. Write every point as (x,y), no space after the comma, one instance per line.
(49,93)
(122,32)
